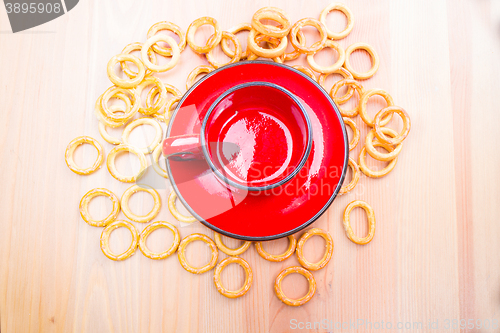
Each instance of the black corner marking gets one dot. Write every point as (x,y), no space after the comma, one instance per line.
(26,14)
(70,4)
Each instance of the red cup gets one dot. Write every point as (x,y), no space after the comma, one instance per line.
(256,136)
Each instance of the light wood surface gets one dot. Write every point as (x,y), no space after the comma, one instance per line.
(435,255)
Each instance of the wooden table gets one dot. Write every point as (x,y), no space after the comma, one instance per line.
(435,256)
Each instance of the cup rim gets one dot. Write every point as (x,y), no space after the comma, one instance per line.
(298,167)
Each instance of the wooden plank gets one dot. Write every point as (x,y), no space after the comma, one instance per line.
(435,254)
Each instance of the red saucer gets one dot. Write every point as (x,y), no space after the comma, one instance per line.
(278,212)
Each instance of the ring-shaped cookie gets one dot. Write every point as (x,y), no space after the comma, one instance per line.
(355,177)
(110,163)
(103,117)
(306,70)
(348,14)
(140,218)
(340,100)
(271,43)
(375,153)
(212,42)
(373,55)
(363,101)
(288,56)
(275,14)
(355,132)
(370,214)
(153,93)
(148,230)
(191,79)
(332,68)
(105,240)
(295,302)
(71,149)
(105,135)
(173,47)
(234,30)
(165,25)
(143,121)
(159,89)
(156,165)
(175,213)
(315,47)
(182,255)
(227,250)
(346,75)
(169,108)
(84,207)
(292,244)
(380,173)
(237,54)
(377,125)
(136,47)
(123,94)
(248,277)
(130,82)
(328,251)
(262,52)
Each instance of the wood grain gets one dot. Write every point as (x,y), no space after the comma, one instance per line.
(435,255)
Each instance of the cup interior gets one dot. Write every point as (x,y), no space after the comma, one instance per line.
(257,136)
